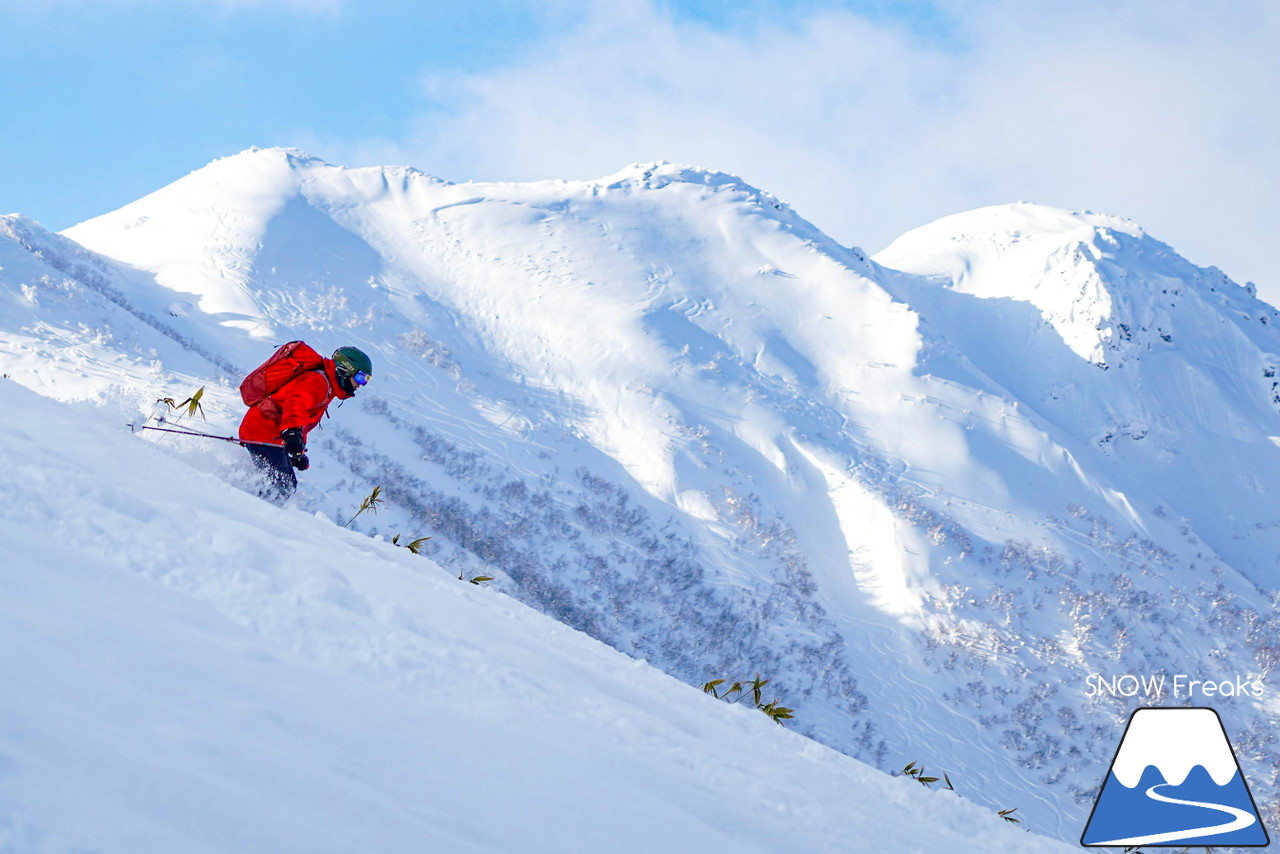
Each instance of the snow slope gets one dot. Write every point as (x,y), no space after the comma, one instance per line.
(188,669)
(927,494)
(1169,370)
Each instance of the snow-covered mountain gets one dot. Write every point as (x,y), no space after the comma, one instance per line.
(926,494)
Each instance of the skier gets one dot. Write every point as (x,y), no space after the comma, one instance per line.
(287,396)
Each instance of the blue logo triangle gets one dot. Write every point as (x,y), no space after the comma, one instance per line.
(1174,782)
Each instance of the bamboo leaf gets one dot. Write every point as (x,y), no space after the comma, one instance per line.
(371,502)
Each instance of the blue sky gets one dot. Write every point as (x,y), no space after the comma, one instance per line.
(870,117)
(117,98)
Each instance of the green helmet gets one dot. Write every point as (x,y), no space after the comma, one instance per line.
(349,363)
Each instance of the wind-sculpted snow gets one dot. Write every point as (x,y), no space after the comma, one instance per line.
(927,501)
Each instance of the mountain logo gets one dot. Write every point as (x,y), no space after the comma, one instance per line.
(1175,781)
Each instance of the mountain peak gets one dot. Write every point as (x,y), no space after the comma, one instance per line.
(1094,277)
(657,174)
(288,155)
(1016,222)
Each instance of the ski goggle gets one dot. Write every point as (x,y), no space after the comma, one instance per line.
(358,378)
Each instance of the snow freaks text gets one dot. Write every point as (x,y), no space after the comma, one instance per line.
(1162,685)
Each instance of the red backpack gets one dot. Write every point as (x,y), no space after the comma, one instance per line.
(289,361)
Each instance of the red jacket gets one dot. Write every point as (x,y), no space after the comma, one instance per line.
(302,403)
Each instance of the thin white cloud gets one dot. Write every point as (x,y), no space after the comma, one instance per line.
(1160,111)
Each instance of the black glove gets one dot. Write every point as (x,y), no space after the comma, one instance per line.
(294,444)
(296,448)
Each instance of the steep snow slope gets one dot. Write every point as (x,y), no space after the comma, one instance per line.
(1186,411)
(76,323)
(669,412)
(187,669)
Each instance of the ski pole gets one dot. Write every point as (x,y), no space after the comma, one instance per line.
(207,436)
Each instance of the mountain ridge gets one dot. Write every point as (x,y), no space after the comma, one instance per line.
(673,414)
